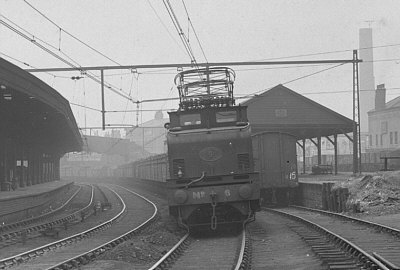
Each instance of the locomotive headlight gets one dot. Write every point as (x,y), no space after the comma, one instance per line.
(180,196)
(180,173)
(245,191)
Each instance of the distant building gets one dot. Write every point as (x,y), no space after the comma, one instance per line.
(384,123)
(345,147)
(100,155)
(151,135)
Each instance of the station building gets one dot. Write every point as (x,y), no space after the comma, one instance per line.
(37,128)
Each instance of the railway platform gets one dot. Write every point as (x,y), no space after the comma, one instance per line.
(24,202)
(33,190)
(325,178)
(38,127)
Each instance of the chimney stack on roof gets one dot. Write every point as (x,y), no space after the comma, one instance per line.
(380,97)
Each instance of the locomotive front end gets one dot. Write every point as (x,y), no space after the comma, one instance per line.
(212,179)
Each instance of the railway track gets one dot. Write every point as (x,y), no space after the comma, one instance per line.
(85,246)
(7,228)
(24,230)
(102,199)
(214,252)
(32,235)
(276,246)
(346,242)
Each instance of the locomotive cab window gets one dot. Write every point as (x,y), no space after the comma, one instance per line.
(226,116)
(190,119)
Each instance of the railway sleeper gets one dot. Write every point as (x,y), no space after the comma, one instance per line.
(333,254)
(344,267)
(53,232)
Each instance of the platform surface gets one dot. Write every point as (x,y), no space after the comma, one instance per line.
(33,189)
(325,178)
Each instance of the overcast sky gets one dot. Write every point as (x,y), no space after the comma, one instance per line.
(141,32)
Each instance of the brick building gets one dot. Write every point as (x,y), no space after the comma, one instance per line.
(384,123)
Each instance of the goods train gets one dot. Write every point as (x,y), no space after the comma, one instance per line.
(216,171)
(209,169)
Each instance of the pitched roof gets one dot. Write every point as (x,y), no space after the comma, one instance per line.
(393,103)
(282,109)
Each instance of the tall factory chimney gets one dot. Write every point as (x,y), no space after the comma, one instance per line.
(367,79)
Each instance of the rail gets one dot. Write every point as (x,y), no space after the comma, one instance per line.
(37,218)
(364,257)
(89,255)
(34,252)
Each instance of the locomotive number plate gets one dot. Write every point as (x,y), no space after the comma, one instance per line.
(210,154)
(198,195)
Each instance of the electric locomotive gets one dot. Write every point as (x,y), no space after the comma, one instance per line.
(211,168)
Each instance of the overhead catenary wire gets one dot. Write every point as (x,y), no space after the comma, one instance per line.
(374,60)
(181,34)
(69,34)
(33,40)
(127,103)
(82,42)
(331,52)
(350,91)
(194,31)
(29,65)
(245,96)
(36,38)
(290,81)
(311,74)
(74,65)
(165,27)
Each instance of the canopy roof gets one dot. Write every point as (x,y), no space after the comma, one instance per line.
(282,109)
(34,113)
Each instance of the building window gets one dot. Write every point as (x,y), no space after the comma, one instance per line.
(391,137)
(370,140)
(281,113)
(384,127)
(376,140)
(395,138)
(381,139)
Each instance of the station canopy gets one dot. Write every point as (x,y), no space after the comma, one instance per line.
(33,113)
(281,109)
